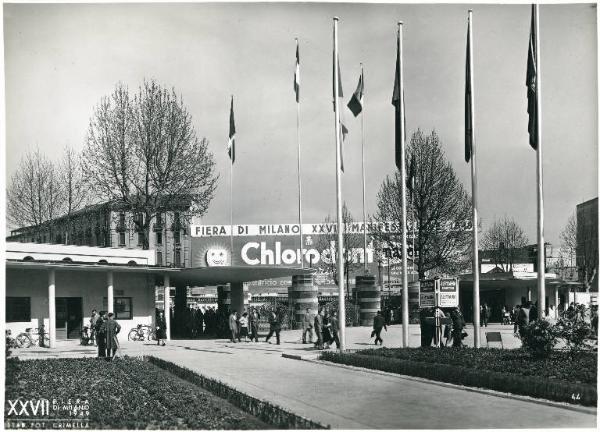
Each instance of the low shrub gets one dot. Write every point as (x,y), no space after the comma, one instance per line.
(539,338)
(574,329)
(472,371)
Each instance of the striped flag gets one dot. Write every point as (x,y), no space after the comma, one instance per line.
(531,83)
(468,102)
(297,74)
(356,102)
(231,142)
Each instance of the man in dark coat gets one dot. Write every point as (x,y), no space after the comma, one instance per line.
(378,324)
(319,329)
(307,326)
(274,327)
(423,326)
(161,328)
(253,320)
(233,326)
(100,329)
(112,330)
(533,312)
(458,323)
(334,326)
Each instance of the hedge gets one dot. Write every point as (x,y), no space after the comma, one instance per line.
(265,411)
(578,393)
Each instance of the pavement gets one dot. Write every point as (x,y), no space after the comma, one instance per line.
(348,398)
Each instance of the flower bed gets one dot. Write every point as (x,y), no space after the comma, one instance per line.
(559,377)
(124,394)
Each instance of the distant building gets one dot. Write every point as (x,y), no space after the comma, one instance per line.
(108,225)
(587,243)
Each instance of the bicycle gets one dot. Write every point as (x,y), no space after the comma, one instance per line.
(31,337)
(142,332)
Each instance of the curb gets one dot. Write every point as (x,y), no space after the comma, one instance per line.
(306,357)
(577,408)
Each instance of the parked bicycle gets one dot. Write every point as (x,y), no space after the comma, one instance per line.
(141,333)
(11,342)
(33,337)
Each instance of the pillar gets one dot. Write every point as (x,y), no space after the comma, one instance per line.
(167,304)
(110,296)
(369,298)
(52,307)
(224,298)
(556,297)
(237,296)
(302,295)
(528,293)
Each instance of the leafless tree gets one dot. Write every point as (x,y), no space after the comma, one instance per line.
(74,190)
(439,207)
(568,240)
(504,242)
(143,154)
(34,194)
(328,244)
(586,245)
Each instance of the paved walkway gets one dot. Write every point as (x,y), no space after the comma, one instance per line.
(345,398)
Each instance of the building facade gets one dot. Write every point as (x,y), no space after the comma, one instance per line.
(586,253)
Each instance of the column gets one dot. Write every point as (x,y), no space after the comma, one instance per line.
(52,307)
(556,296)
(237,296)
(528,293)
(167,304)
(302,294)
(369,299)
(110,296)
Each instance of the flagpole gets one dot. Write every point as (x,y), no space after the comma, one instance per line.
(362,132)
(475,251)
(540,189)
(338,181)
(299,173)
(403,192)
(231,206)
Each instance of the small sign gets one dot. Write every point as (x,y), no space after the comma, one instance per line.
(427,300)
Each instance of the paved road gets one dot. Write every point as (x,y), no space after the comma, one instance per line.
(345,398)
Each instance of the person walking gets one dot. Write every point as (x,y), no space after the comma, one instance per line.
(274,327)
(233,328)
(319,329)
(515,319)
(100,329)
(112,330)
(378,325)
(161,328)
(485,314)
(244,327)
(307,326)
(253,320)
(326,332)
(523,317)
(334,327)
(533,312)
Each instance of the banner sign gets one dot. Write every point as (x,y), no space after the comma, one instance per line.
(448,295)
(439,292)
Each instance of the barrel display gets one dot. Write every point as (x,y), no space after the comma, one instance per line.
(369,298)
(302,295)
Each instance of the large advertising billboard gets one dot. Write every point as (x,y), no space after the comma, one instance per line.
(279,245)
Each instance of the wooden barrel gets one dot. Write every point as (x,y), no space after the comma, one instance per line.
(302,295)
(369,299)
(224,297)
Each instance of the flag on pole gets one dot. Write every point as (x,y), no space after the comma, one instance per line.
(410,179)
(343,128)
(297,74)
(398,102)
(468,102)
(531,83)
(356,102)
(231,142)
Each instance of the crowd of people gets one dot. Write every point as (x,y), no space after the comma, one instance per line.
(198,322)
(449,332)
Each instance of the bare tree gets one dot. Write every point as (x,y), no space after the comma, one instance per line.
(328,244)
(143,154)
(439,208)
(34,194)
(586,237)
(74,191)
(504,242)
(568,240)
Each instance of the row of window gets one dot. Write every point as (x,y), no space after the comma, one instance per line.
(18,309)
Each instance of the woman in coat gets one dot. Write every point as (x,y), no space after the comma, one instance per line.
(161,328)
(112,330)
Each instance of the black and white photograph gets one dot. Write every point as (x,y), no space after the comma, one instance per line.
(299,215)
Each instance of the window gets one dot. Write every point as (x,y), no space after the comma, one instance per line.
(159,238)
(121,239)
(177,237)
(122,307)
(159,260)
(18,309)
(140,238)
(177,258)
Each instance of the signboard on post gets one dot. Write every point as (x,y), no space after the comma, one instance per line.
(439,292)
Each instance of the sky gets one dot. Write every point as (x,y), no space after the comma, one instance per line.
(61,59)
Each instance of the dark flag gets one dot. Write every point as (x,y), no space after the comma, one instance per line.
(531,82)
(297,74)
(231,143)
(468,102)
(398,102)
(356,102)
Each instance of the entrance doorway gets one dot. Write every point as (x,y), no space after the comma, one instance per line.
(69,317)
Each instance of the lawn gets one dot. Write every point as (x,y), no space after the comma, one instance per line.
(559,377)
(126,393)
